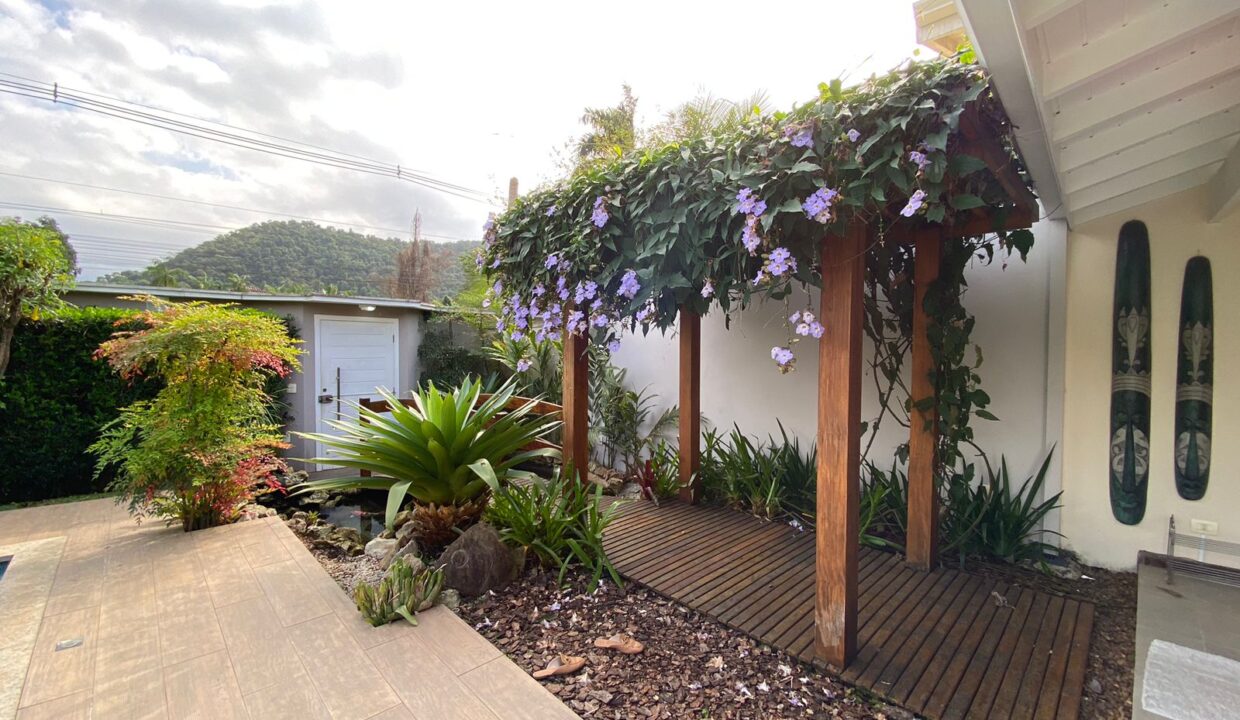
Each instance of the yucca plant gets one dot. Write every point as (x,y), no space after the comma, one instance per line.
(434,452)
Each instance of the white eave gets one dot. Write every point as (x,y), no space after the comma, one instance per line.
(1117,102)
(247,297)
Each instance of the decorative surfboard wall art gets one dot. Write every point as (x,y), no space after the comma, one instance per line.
(1194,387)
(1130,375)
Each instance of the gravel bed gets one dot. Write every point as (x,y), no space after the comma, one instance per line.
(692,667)
(346,571)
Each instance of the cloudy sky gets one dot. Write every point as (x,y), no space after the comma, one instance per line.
(468,93)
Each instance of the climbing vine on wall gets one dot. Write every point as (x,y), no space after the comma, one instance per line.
(721,220)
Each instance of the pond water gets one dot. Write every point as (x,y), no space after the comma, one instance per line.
(4,565)
(365,517)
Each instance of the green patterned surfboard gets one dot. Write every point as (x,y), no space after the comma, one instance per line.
(1130,375)
(1194,388)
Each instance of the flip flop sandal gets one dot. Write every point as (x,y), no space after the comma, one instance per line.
(560,665)
(626,644)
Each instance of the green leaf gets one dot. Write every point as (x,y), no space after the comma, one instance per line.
(966,201)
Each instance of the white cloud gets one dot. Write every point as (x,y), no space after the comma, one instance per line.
(468,92)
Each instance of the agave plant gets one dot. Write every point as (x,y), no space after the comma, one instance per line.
(434,452)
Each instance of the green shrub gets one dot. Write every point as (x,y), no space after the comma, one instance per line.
(195,452)
(444,360)
(55,399)
(767,479)
(558,522)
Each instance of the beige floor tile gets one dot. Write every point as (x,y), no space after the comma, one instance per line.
(128,596)
(70,707)
(513,694)
(78,585)
(295,600)
(228,574)
(54,674)
(129,683)
(345,678)
(425,685)
(294,698)
(400,712)
(188,631)
(257,643)
(456,643)
(265,550)
(205,688)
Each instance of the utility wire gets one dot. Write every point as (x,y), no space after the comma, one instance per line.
(53,92)
(204,203)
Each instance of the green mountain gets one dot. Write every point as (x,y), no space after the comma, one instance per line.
(299,256)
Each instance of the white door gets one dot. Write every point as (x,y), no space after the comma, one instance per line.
(353,357)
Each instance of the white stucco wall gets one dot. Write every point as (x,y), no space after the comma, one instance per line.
(1016,317)
(1178,230)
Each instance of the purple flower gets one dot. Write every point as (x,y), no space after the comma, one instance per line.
(816,330)
(495,263)
(552,261)
(782,356)
(499,325)
(498,287)
(478,260)
(645,312)
(780,261)
(914,203)
(600,320)
(853,135)
(523,365)
(598,303)
(489,225)
(599,217)
(759,208)
(521,322)
(575,319)
(807,316)
(802,138)
(486,302)
(613,347)
(818,205)
(810,328)
(517,335)
(708,289)
(550,211)
(585,291)
(795,317)
(919,158)
(749,237)
(629,285)
(539,290)
(744,201)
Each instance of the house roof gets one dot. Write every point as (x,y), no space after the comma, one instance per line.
(1117,102)
(230,296)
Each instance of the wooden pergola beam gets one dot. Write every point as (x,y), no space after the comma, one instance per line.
(576,392)
(921,549)
(839,446)
(690,405)
(976,140)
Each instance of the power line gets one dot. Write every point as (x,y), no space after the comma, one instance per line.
(41,90)
(204,203)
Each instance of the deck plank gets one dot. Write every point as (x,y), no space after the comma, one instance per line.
(943,643)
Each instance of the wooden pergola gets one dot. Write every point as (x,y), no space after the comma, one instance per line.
(839,393)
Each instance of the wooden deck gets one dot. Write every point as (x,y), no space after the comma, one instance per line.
(944,643)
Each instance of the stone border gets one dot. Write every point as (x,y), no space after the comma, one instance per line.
(24,592)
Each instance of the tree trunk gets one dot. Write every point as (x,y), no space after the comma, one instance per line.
(8,325)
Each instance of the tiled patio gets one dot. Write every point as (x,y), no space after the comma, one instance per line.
(233,622)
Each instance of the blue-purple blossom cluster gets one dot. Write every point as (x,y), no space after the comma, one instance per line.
(818,205)
(806,325)
(751,207)
(783,357)
(599,217)
(915,201)
(629,285)
(799,136)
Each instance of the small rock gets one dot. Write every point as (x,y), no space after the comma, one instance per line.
(318,497)
(404,531)
(630,490)
(1095,687)
(402,518)
(300,515)
(408,549)
(380,548)
(450,599)
(478,561)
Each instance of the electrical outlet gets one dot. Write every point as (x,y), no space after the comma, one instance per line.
(1204,527)
(292,388)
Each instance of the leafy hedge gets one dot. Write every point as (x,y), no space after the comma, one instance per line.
(53,401)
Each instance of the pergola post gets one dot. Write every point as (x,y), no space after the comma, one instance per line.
(923,498)
(575,401)
(839,446)
(690,405)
